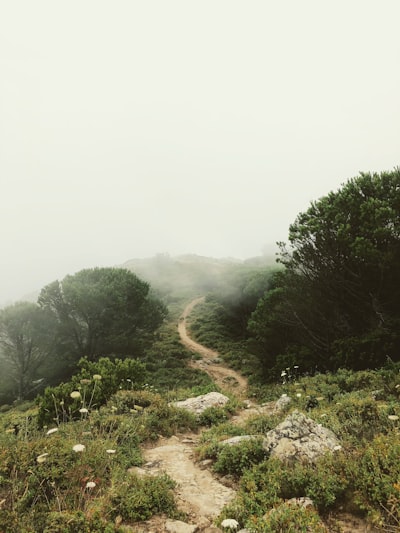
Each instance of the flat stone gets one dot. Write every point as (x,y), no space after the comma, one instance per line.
(234,441)
(176,526)
(200,403)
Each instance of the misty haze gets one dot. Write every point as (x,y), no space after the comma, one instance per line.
(133,129)
(200,266)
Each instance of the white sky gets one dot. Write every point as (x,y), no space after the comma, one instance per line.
(130,127)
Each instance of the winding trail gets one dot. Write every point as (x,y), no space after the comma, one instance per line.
(199,493)
(226,378)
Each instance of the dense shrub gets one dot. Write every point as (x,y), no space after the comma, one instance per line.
(140,498)
(234,460)
(95,383)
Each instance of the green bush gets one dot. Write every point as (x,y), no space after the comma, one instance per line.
(235,459)
(167,420)
(139,498)
(359,417)
(70,522)
(289,519)
(212,416)
(96,383)
(375,474)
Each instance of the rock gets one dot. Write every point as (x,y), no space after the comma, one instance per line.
(176,526)
(233,441)
(301,502)
(200,403)
(282,402)
(299,438)
(206,463)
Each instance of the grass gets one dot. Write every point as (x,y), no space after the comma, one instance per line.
(45,485)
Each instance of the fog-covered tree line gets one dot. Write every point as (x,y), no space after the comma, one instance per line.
(96,312)
(336,301)
(333,301)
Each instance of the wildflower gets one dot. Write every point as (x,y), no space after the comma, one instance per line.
(230,523)
(75,394)
(298,395)
(52,430)
(129,380)
(113,408)
(111,452)
(337,448)
(41,458)
(283,374)
(62,403)
(85,381)
(83,410)
(78,448)
(90,485)
(393,417)
(296,366)
(97,377)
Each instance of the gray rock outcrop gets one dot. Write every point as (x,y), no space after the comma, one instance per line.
(200,403)
(299,438)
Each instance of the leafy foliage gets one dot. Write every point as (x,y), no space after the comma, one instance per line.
(26,339)
(102,311)
(94,384)
(337,302)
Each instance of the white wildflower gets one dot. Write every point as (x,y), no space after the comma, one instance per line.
(83,410)
(52,430)
(337,448)
(90,485)
(230,523)
(41,458)
(75,394)
(78,448)
(393,417)
(97,377)
(283,374)
(111,452)
(298,395)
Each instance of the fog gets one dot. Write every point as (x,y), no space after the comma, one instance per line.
(132,128)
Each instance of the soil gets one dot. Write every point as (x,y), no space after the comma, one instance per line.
(199,493)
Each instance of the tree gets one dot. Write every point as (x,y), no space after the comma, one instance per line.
(340,293)
(25,340)
(102,311)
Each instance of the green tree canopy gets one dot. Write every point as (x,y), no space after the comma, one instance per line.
(102,311)
(26,339)
(338,300)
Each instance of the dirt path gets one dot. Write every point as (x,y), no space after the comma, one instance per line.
(199,494)
(226,378)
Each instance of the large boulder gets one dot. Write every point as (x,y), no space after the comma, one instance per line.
(200,403)
(299,438)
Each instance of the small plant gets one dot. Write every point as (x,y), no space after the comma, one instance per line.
(235,459)
(288,518)
(138,498)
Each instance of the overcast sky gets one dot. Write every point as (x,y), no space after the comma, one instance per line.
(129,128)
